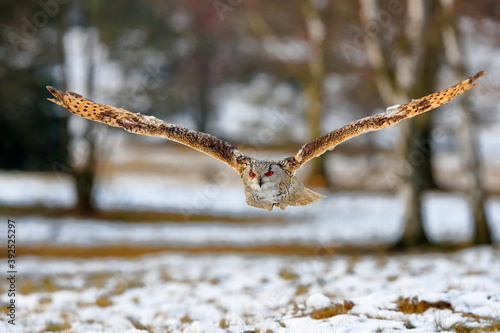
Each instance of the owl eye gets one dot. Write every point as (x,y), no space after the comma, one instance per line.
(269,173)
(251,174)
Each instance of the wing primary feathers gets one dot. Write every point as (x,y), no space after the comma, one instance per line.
(149,125)
(392,116)
(223,151)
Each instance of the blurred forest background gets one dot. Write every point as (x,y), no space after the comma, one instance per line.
(266,76)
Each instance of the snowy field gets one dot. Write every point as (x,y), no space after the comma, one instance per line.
(261,293)
(242,292)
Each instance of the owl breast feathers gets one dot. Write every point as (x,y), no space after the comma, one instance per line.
(267,183)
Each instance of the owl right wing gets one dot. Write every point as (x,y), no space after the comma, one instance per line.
(392,116)
(149,125)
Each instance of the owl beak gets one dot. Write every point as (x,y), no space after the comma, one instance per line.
(260,182)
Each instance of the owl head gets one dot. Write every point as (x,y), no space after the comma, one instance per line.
(270,183)
(261,175)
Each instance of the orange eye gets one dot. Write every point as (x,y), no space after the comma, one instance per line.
(269,173)
(251,174)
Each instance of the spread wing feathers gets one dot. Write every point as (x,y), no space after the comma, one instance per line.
(148,125)
(391,116)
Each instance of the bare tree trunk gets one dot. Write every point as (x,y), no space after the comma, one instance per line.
(466,131)
(84,176)
(396,86)
(470,160)
(413,232)
(426,81)
(84,169)
(315,88)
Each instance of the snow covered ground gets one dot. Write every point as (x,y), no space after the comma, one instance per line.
(260,293)
(238,292)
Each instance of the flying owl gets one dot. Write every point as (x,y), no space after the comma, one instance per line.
(268,183)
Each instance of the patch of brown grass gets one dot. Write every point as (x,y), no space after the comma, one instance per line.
(461,328)
(103,301)
(464,328)
(186,319)
(132,250)
(28,285)
(333,310)
(223,323)
(413,305)
(302,289)
(45,300)
(214,281)
(124,215)
(56,327)
(287,274)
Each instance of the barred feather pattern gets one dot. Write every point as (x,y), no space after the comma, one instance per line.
(149,125)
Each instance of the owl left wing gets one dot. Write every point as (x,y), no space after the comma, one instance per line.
(392,116)
(149,125)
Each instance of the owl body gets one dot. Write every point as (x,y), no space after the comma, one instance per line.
(270,183)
